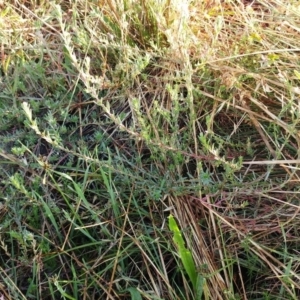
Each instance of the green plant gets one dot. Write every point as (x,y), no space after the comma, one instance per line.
(115,115)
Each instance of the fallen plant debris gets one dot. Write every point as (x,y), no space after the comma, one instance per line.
(149,150)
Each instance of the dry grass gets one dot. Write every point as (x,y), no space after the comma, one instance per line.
(141,109)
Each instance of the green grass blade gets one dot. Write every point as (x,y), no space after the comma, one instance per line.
(135,294)
(184,254)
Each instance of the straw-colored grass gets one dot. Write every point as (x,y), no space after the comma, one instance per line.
(116,115)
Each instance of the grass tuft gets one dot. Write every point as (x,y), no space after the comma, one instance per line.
(117,115)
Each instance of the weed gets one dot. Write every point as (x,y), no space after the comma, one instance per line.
(115,115)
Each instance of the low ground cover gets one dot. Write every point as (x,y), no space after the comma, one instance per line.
(149,149)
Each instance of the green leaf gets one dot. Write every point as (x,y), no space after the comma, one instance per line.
(201,281)
(135,294)
(184,254)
